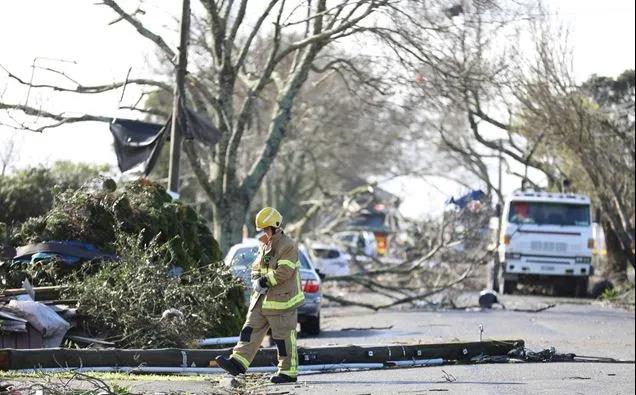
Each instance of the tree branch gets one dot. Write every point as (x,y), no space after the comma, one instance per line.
(89,88)
(60,118)
(255,30)
(322,35)
(141,29)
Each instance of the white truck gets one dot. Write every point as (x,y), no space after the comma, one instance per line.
(545,238)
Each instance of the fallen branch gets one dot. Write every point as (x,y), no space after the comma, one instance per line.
(398,269)
(461,278)
(538,310)
(369,328)
(345,302)
(408,299)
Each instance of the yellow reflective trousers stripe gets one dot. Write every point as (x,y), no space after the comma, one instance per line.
(274,305)
(293,368)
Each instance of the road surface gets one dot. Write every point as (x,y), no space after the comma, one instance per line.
(579,326)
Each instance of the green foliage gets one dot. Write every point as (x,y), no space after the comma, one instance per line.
(127,298)
(621,294)
(152,234)
(30,192)
(95,213)
(610,294)
(41,273)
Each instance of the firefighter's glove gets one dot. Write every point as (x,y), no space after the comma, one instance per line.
(260,285)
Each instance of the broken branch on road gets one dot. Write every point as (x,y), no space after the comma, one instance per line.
(369,328)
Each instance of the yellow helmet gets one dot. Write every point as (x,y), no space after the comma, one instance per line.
(268,216)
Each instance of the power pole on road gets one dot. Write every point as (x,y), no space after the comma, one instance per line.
(179,98)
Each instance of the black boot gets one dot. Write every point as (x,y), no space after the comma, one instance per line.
(229,365)
(282,378)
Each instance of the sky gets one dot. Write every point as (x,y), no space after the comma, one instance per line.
(76,34)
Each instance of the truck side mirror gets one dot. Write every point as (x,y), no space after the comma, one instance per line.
(597,216)
(498,210)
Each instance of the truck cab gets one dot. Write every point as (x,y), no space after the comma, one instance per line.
(546,238)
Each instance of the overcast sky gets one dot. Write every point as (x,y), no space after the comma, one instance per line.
(77,31)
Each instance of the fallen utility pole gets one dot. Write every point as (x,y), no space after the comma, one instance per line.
(304,369)
(12,359)
(215,341)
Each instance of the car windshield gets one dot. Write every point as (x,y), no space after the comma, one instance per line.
(244,256)
(541,213)
(326,253)
(346,238)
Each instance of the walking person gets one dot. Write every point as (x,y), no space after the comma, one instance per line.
(276,296)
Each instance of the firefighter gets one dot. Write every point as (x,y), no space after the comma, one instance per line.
(276,296)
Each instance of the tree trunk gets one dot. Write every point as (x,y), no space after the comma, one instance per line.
(229,216)
(616,256)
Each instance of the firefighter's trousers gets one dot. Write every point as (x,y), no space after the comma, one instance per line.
(283,333)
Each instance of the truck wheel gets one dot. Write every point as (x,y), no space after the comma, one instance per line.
(508,287)
(581,287)
(494,275)
(571,287)
(565,287)
(311,327)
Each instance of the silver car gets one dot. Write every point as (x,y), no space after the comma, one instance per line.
(240,259)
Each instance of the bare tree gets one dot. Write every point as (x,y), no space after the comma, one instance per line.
(463,77)
(591,134)
(227,43)
(526,105)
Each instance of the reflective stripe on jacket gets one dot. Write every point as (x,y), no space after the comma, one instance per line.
(278,262)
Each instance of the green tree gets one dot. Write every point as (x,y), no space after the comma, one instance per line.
(589,133)
(30,192)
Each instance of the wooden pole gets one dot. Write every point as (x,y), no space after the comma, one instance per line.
(52,358)
(179,98)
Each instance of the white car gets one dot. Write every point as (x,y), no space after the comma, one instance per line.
(360,242)
(330,259)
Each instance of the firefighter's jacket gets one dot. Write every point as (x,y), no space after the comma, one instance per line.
(278,262)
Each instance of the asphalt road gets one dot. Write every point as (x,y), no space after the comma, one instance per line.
(578,326)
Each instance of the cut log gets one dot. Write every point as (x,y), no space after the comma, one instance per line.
(41,293)
(52,358)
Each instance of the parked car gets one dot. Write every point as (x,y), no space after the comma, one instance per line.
(331,259)
(360,242)
(240,259)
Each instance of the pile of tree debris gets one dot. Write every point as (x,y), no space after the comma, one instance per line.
(162,285)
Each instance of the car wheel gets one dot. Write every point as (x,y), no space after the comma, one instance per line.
(311,327)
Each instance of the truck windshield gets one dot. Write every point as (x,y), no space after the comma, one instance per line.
(540,213)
